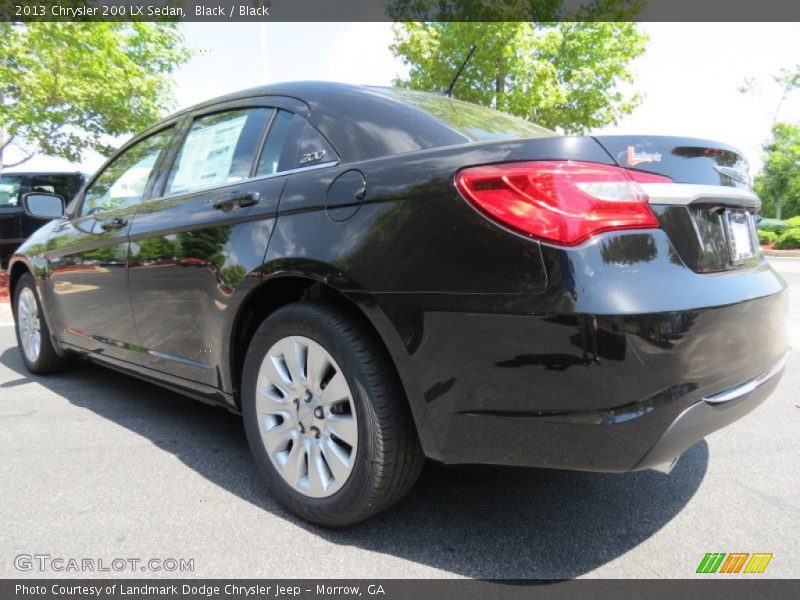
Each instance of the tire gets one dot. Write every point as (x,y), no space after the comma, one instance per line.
(378,440)
(39,357)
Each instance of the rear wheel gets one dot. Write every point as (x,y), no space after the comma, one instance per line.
(33,335)
(325,416)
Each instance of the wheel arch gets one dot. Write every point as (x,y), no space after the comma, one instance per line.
(280,290)
(19,266)
(16,270)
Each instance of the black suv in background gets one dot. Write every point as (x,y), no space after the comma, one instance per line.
(15,224)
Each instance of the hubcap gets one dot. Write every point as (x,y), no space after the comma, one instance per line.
(306,416)
(29,324)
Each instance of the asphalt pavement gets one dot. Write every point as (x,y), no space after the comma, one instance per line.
(95,465)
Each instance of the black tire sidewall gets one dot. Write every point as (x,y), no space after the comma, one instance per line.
(298,320)
(46,350)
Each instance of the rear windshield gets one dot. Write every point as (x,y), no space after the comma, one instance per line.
(477,123)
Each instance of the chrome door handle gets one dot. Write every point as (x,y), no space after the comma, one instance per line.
(113,223)
(240,199)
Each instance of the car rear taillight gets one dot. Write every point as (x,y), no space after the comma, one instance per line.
(562,202)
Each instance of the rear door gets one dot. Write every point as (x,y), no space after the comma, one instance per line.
(194,246)
(88,253)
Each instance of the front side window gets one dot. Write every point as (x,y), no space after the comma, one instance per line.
(218,149)
(124,181)
(291,143)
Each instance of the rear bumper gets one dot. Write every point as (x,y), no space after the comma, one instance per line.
(610,369)
(709,415)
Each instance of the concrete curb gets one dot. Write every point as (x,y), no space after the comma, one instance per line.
(782,253)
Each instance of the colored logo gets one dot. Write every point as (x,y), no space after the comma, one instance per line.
(735,562)
(634,158)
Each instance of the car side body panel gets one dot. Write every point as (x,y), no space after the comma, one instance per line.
(384,247)
(387,245)
(87,284)
(511,351)
(198,292)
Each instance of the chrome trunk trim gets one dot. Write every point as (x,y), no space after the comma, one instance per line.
(747,387)
(683,194)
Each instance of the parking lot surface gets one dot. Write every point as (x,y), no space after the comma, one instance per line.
(97,465)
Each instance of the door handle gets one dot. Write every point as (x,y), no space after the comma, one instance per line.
(240,199)
(113,223)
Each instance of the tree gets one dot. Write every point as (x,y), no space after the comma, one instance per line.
(787,81)
(67,87)
(778,184)
(571,75)
(514,10)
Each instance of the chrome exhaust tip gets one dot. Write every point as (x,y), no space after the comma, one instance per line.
(666,467)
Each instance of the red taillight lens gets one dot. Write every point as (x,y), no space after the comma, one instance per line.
(563,202)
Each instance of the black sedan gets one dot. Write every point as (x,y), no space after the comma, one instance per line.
(373,276)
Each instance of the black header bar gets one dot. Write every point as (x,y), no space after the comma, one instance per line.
(400,10)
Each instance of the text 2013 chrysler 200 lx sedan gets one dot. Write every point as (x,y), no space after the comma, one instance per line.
(372,276)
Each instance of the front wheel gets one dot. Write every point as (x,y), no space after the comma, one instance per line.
(325,416)
(33,335)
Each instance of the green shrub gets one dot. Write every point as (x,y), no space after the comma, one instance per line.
(789,240)
(794,222)
(767,237)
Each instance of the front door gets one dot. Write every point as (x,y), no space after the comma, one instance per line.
(88,254)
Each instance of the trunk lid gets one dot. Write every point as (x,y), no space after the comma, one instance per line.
(684,160)
(708,212)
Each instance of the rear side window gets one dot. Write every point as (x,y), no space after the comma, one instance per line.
(218,149)
(293,142)
(124,181)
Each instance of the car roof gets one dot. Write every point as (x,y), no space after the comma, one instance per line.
(361,122)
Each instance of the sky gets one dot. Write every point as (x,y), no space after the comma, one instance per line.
(690,73)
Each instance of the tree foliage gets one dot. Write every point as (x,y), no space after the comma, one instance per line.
(787,81)
(514,10)
(66,87)
(572,75)
(778,184)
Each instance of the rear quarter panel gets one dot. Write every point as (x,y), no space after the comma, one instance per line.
(413,246)
(412,232)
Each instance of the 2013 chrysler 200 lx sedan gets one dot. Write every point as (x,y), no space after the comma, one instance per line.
(372,276)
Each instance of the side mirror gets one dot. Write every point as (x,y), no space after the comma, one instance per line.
(42,205)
